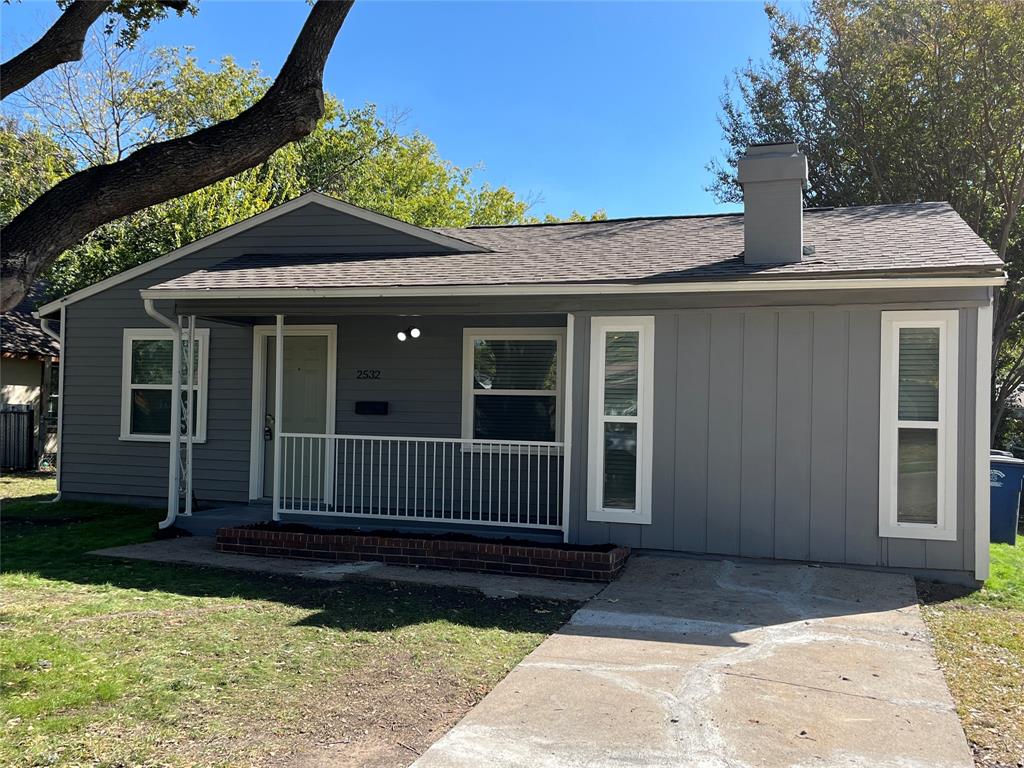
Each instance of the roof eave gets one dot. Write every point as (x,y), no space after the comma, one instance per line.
(815,283)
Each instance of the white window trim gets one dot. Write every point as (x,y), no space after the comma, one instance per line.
(599,327)
(945,527)
(469,336)
(160,334)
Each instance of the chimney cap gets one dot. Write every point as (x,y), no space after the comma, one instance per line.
(772,162)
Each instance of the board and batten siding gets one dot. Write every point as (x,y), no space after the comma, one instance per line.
(766,433)
(96,463)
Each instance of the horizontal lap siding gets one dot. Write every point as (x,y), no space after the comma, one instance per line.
(770,445)
(421,381)
(95,461)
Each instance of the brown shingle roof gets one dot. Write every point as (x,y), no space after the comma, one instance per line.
(20,334)
(870,240)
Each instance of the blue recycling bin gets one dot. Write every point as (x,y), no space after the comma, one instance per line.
(1005,476)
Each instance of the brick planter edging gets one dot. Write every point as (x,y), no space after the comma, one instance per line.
(506,559)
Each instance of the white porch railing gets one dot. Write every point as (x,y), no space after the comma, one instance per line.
(450,480)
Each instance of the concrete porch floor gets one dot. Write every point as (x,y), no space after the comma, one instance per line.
(716,664)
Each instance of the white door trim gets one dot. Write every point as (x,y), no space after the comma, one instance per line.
(260,333)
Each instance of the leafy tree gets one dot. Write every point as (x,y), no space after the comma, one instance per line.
(899,101)
(576,216)
(127,99)
(32,162)
(62,216)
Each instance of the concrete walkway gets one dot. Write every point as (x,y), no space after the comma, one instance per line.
(714,664)
(199,550)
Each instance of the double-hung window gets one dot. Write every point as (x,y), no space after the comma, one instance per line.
(621,419)
(146,384)
(917,430)
(512,384)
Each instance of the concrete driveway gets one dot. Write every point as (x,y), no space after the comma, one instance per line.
(715,664)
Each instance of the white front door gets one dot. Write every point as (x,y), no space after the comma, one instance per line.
(307,404)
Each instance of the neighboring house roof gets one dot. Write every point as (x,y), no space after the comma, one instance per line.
(20,334)
(885,240)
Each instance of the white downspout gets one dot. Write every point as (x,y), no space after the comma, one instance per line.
(44,323)
(175,441)
(278,410)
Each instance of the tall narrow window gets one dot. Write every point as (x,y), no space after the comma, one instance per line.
(917,452)
(621,419)
(146,384)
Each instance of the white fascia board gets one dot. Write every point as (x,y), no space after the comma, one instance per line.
(260,218)
(548,289)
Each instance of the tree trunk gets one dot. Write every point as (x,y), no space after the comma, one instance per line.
(65,214)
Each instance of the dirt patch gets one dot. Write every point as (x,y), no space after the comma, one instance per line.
(384,716)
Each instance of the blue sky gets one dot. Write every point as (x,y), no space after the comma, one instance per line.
(587,104)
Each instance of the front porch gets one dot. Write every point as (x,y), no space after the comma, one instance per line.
(510,484)
(460,429)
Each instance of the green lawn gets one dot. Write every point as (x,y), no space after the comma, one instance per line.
(979,639)
(126,663)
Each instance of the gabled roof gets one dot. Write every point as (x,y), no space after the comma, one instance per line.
(888,241)
(20,334)
(435,237)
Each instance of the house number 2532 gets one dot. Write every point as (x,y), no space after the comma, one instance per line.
(367,373)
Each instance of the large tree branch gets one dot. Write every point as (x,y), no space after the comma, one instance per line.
(63,42)
(65,214)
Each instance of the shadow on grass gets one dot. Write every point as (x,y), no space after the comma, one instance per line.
(933,592)
(34,544)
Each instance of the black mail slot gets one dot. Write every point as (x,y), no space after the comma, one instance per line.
(371,407)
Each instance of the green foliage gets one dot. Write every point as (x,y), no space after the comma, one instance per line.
(32,162)
(576,216)
(130,18)
(129,100)
(900,101)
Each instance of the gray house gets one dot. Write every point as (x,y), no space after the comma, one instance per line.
(803,385)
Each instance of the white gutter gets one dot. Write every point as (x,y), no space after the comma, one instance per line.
(575,289)
(175,441)
(44,323)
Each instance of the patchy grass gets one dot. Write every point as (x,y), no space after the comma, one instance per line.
(127,663)
(979,640)
(22,488)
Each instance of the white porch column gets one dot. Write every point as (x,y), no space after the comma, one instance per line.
(570,332)
(278,410)
(190,413)
(174,456)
